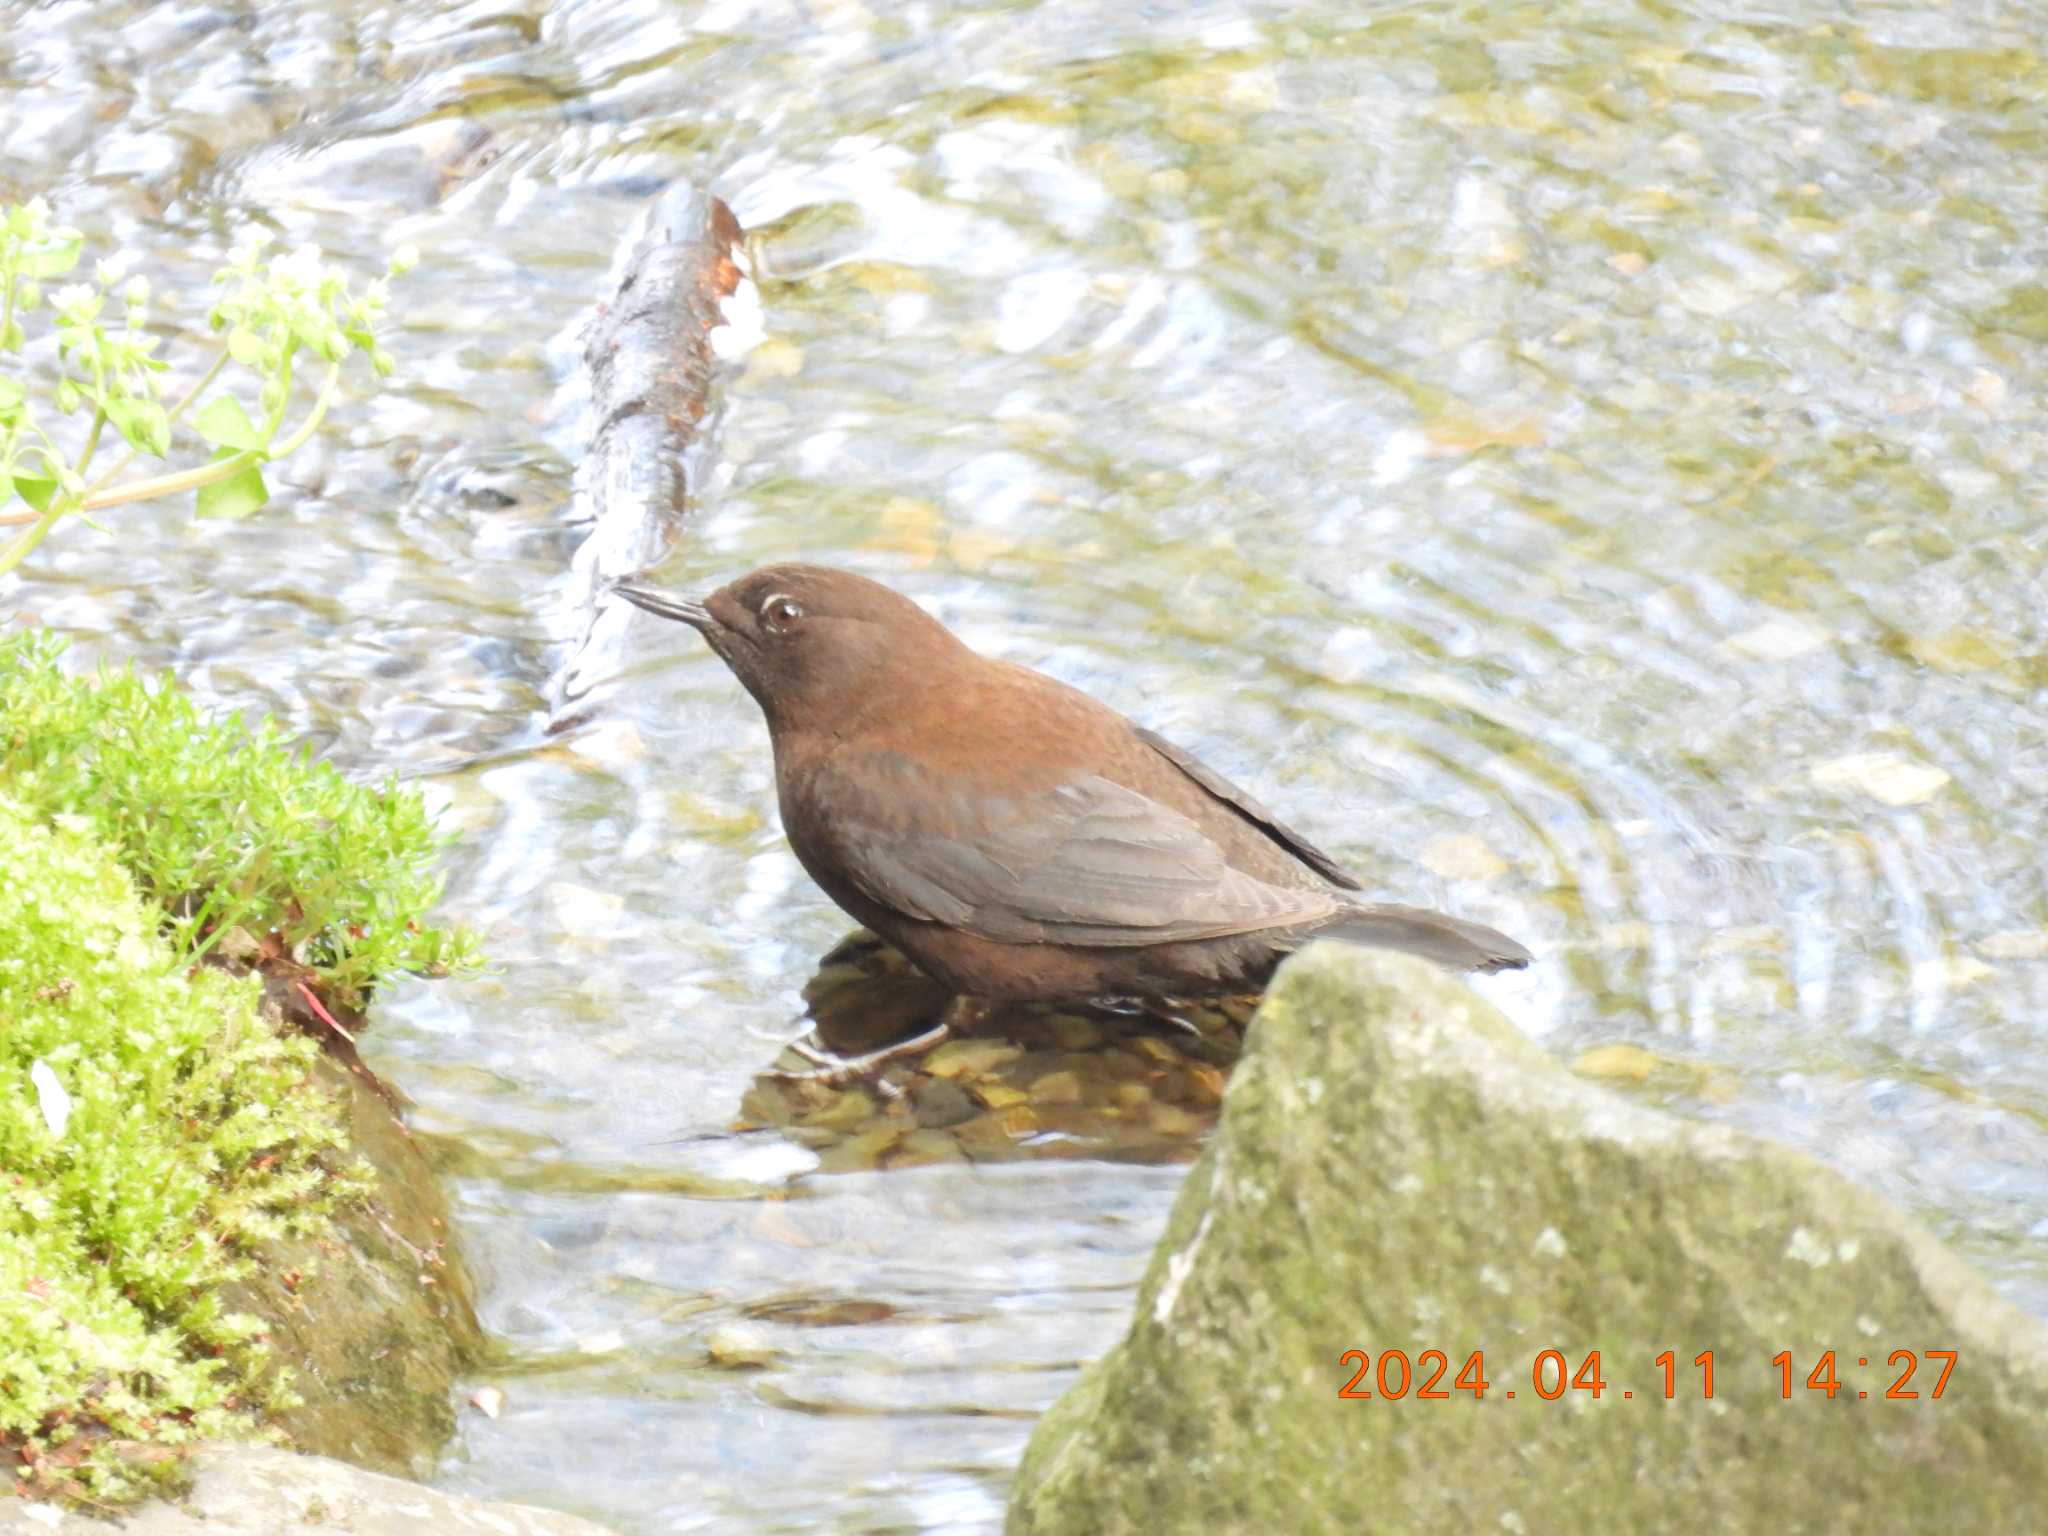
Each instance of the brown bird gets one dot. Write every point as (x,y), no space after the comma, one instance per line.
(1011,835)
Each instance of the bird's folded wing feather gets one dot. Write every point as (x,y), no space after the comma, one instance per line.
(1250,809)
(1085,862)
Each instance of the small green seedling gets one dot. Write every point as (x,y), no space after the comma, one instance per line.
(275,313)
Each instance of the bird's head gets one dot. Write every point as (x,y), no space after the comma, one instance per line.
(814,646)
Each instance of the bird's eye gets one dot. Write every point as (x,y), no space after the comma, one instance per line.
(780,614)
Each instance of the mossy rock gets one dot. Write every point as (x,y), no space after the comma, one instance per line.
(1397,1168)
(378,1319)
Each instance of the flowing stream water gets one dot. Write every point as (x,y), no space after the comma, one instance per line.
(1583,463)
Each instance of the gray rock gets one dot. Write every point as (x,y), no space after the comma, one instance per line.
(1398,1169)
(244,1490)
(377,1318)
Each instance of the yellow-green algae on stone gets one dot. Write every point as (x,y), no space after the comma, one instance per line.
(1398,1168)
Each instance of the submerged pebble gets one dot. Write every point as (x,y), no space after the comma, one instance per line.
(1027,1081)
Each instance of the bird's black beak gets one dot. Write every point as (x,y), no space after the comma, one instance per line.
(664,605)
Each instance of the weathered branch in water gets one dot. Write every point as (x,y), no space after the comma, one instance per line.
(651,365)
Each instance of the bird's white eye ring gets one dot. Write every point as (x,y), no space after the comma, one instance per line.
(780,613)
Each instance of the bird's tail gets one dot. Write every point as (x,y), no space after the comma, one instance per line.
(1448,941)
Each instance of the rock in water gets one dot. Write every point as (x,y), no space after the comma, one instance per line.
(254,1490)
(1398,1169)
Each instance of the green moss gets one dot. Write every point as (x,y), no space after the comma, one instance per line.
(223,826)
(193,1132)
(154,1129)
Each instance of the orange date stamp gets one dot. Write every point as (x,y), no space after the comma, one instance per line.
(1391,1376)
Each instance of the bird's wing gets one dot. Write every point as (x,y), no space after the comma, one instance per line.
(1085,862)
(1250,810)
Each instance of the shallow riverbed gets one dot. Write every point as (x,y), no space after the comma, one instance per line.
(1583,464)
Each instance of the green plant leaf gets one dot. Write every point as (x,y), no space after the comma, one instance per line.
(145,424)
(237,496)
(223,422)
(35,492)
(317,333)
(53,261)
(245,347)
(156,427)
(124,413)
(11,395)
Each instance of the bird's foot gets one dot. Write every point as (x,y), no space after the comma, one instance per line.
(1163,1010)
(835,1071)
(1123,1007)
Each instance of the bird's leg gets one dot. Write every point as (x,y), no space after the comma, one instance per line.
(833,1070)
